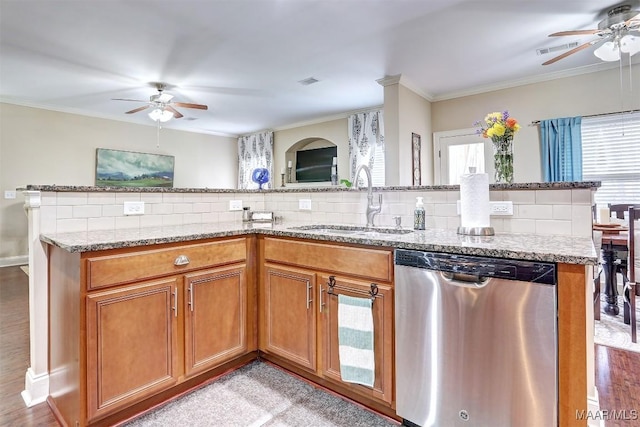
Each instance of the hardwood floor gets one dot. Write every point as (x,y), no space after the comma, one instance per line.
(617,371)
(14,352)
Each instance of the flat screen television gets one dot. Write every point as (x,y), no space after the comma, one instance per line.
(315,165)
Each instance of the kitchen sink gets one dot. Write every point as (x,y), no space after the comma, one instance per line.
(352,230)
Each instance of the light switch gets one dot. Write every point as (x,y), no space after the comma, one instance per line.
(9,194)
(304,204)
(235,205)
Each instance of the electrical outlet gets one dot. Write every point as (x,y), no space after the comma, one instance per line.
(134,208)
(235,205)
(304,204)
(501,208)
(9,194)
(495,208)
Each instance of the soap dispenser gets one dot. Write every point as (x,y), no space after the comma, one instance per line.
(418,215)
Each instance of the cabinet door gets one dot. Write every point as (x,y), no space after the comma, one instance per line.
(289,315)
(131,344)
(215,317)
(382,337)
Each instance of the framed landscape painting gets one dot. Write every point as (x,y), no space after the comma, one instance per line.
(115,168)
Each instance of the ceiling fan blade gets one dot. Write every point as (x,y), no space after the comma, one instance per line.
(138,109)
(571,52)
(189,105)
(175,112)
(574,33)
(127,99)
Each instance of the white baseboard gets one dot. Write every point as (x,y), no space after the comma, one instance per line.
(14,260)
(593,407)
(36,388)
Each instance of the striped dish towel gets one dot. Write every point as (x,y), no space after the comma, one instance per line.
(355,339)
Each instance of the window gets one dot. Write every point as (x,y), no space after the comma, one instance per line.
(378,170)
(611,154)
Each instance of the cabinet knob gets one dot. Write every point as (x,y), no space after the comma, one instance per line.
(181,260)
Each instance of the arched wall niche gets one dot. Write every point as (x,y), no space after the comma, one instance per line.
(309,143)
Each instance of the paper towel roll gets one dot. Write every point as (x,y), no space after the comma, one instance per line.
(474,200)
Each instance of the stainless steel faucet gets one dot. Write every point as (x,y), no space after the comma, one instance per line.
(372,210)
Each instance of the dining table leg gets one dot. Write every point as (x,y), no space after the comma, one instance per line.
(610,288)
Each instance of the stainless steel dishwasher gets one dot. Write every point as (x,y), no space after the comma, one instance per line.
(476,341)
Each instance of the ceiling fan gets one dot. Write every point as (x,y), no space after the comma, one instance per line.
(162,104)
(620,32)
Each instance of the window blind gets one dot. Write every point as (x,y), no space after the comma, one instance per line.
(378,170)
(611,154)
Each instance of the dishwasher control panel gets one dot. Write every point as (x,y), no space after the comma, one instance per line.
(484,267)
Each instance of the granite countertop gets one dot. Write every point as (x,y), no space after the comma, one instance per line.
(311,189)
(562,249)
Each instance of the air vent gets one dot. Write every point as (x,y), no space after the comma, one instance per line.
(309,81)
(189,119)
(552,49)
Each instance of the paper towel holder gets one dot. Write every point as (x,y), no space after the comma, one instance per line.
(476,231)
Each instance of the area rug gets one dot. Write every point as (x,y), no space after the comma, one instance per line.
(613,332)
(259,394)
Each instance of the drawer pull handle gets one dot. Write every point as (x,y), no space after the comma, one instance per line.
(175,301)
(309,300)
(181,260)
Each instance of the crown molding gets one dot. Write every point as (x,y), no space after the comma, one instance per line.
(329,118)
(602,66)
(404,81)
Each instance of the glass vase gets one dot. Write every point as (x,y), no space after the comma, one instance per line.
(503,160)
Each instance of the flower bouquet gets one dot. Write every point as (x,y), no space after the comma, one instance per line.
(500,128)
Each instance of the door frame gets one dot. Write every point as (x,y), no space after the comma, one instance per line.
(438,141)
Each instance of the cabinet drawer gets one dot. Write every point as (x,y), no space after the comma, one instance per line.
(136,265)
(363,262)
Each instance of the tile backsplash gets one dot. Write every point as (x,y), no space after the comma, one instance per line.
(541,211)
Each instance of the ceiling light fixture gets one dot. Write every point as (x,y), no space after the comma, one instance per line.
(159,115)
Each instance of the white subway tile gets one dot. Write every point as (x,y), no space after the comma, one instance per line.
(172,197)
(87,211)
(438,221)
(581,220)
(553,197)
(192,218)
(48,198)
(520,196)
(123,222)
(581,196)
(112,210)
(535,211)
(453,222)
(496,196)
(192,197)
(555,227)
(63,212)
(48,219)
(210,217)
(151,197)
(453,196)
(562,212)
(161,208)
(101,198)
(446,209)
(201,207)
(71,198)
(173,219)
(71,225)
(515,225)
(127,197)
(497,224)
(151,221)
(179,208)
(102,223)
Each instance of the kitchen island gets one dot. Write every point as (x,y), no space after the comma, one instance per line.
(95,271)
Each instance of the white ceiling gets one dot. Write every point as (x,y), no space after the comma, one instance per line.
(244,58)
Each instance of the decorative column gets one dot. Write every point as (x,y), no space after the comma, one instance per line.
(37,377)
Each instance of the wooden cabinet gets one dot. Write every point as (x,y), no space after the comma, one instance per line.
(215,317)
(289,327)
(299,318)
(131,344)
(150,320)
(382,311)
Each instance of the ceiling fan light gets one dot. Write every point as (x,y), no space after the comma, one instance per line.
(608,52)
(159,115)
(630,44)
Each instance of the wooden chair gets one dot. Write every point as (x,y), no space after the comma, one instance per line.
(619,209)
(631,290)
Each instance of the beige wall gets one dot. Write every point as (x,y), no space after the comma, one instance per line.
(414,117)
(585,94)
(47,147)
(333,130)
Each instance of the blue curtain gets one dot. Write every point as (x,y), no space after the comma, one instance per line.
(561,151)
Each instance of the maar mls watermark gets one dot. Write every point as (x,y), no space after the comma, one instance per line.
(608,415)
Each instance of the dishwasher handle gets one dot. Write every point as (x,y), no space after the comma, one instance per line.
(465,280)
